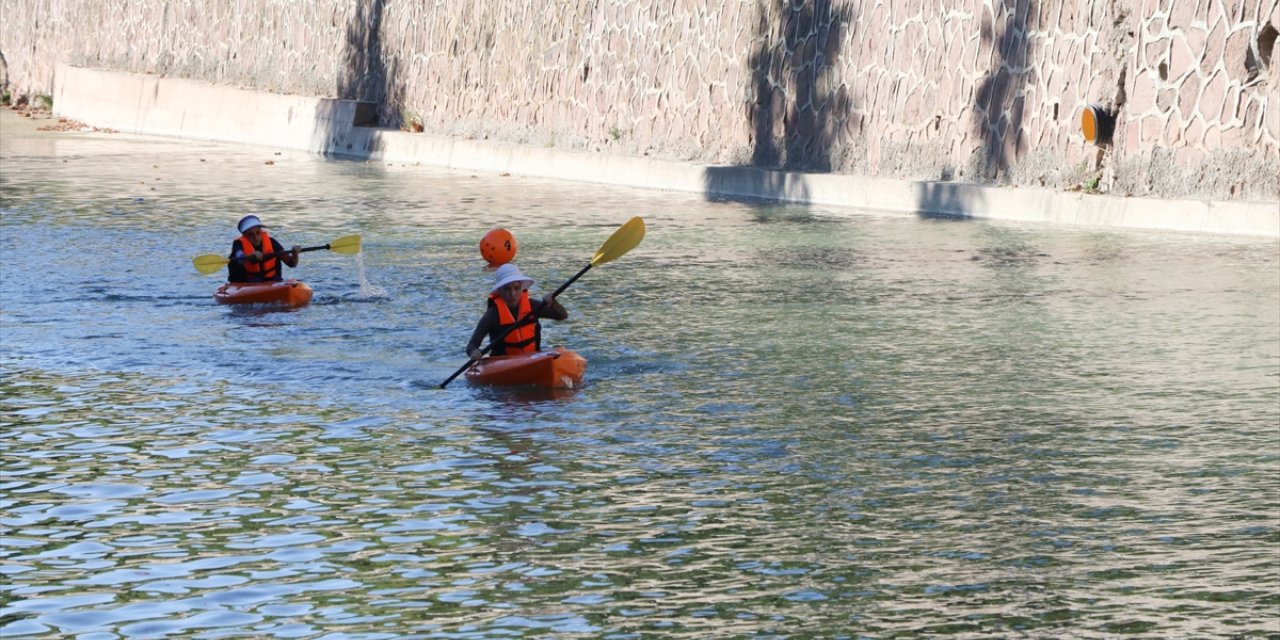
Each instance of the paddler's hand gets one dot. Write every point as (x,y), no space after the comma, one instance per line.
(257,256)
(290,257)
(558,312)
(474,353)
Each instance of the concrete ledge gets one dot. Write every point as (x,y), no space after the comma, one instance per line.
(180,108)
(172,107)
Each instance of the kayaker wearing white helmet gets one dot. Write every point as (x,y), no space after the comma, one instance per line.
(251,258)
(509,302)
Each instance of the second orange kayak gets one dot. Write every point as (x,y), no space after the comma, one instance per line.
(286,293)
(558,368)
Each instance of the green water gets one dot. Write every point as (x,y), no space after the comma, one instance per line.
(796,423)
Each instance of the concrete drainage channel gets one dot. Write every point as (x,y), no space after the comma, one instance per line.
(151,105)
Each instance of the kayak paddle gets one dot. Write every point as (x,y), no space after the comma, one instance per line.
(212,263)
(623,240)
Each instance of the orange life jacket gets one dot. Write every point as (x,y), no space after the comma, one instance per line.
(268,269)
(523,339)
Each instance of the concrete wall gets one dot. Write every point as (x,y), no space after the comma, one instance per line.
(142,103)
(977,91)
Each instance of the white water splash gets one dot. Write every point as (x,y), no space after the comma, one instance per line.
(367,290)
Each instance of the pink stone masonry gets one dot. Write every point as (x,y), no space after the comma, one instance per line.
(974,90)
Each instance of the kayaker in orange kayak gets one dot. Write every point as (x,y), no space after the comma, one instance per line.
(508,302)
(251,260)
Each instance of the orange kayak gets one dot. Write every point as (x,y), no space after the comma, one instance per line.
(558,368)
(287,293)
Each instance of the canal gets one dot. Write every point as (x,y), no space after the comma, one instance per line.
(795,422)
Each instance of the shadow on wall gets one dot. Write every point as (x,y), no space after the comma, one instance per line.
(999,101)
(794,123)
(1000,107)
(366,78)
(950,200)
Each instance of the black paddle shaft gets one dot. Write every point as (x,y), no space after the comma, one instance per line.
(518,323)
(275,254)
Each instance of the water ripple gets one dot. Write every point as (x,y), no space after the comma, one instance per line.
(795,423)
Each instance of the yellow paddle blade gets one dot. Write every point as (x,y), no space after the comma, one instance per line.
(209,263)
(346,244)
(623,240)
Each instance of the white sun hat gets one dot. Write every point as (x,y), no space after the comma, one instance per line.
(248,222)
(508,273)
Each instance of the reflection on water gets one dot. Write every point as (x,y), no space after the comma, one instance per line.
(794,424)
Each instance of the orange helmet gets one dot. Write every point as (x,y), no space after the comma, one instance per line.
(498,247)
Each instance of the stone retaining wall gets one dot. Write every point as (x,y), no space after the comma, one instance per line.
(982,91)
